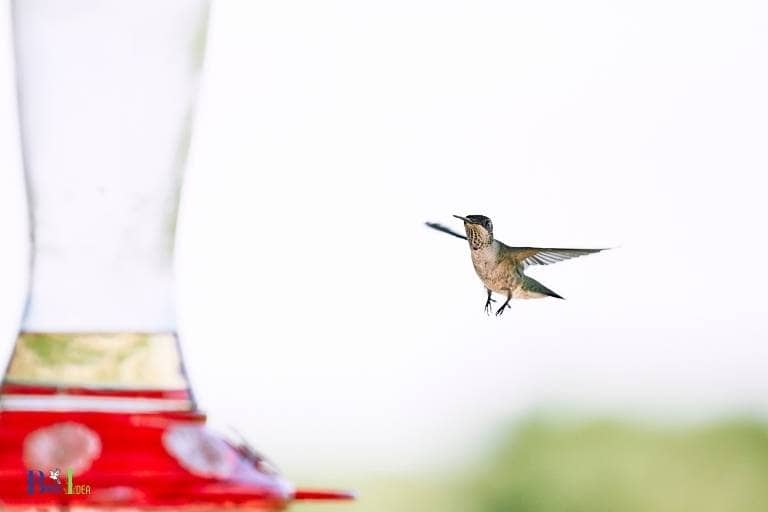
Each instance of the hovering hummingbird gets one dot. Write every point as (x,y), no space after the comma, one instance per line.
(500,267)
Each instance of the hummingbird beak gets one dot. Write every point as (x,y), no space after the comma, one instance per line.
(462,218)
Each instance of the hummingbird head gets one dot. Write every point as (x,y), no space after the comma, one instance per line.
(479,230)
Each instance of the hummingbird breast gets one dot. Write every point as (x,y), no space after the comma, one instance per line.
(498,274)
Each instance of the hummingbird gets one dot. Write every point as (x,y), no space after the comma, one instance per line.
(500,267)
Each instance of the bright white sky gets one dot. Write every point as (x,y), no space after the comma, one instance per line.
(323,320)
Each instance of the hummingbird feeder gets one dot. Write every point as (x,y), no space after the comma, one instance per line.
(96,410)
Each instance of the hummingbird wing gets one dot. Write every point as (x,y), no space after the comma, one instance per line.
(528,256)
(440,227)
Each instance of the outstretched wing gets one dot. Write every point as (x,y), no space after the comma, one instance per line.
(528,256)
(444,229)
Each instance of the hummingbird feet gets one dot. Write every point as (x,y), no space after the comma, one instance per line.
(488,304)
(504,306)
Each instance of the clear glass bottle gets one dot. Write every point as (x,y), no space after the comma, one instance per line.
(106,98)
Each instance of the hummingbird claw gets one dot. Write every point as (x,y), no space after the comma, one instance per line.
(488,305)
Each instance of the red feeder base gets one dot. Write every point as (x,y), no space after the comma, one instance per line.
(134,460)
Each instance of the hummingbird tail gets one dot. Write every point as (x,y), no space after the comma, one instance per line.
(533,286)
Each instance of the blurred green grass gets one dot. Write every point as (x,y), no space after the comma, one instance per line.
(550,465)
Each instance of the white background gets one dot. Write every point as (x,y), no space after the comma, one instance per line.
(324,321)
